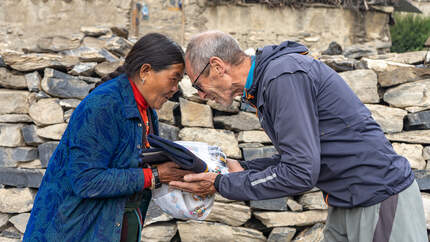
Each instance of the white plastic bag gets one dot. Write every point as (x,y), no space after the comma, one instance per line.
(184,205)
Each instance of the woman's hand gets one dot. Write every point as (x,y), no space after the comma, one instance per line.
(234,165)
(170,171)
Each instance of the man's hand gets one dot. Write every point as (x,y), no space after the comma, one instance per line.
(201,184)
(234,165)
(170,171)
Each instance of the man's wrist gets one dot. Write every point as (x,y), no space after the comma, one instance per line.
(243,165)
(155,178)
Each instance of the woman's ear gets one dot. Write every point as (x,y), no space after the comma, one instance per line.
(145,71)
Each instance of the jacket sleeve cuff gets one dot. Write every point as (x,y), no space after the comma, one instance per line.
(216,183)
(244,165)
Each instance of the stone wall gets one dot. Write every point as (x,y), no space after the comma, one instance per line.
(39,91)
(24,22)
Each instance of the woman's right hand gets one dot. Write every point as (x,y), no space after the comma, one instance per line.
(170,171)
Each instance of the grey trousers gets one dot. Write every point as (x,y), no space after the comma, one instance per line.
(400,218)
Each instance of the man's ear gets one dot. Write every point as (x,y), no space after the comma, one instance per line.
(144,71)
(219,65)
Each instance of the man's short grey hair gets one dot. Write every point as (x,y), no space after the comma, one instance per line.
(213,43)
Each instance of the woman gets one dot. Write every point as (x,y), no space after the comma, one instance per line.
(94,188)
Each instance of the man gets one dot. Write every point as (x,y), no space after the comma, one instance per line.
(324,135)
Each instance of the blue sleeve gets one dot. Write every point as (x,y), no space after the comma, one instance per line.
(93,140)
(290,100)
(261,163)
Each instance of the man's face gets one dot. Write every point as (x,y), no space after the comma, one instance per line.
(215,86)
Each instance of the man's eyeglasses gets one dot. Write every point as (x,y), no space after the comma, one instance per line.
(194,84)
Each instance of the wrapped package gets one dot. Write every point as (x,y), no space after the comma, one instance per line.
(184,205)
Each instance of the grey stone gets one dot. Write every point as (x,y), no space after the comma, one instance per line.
(12,101)
(417,109)
(313,200)
(30,136)
(426,153)
(284,234)
(32,62)
(120,31)
(294,206)
(195,114)
(35,164)
(33,81)
(90,80)
(416,136)
(250,145)
(94,43)
(413,153)
(2,64)
(18,177)
(106,68)
(4,218)
(46,150)
(68,114)
(94,31)
(166,112)
(168,131)
(119,46)
(390,119)
(339,63)
(401,74)
(46,111)
(409,94)
(15,118)
(358,51)
(412,57)
(419,120)
(10,234)
(239,122)
(363,83)
(254,136)
(233,108)
(282,219)
(58,43)
(333,49)
(277,204)
(9,157)
(254,153)
(155,215)
(423,179)
(160,232)
(54,131)
(20,221)
(86,69)
(10,80)
(10,135)
(16,200)
(222,138)
(314,234)
(87,54)
(69,103)
(213,232)
(62,85)
(228,213)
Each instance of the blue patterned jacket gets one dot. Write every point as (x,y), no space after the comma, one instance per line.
(93,170)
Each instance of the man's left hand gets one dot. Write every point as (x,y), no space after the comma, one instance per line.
(201,184)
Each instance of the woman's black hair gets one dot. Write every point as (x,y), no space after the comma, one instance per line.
(155,49)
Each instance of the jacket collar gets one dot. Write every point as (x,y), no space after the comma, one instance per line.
(129,109)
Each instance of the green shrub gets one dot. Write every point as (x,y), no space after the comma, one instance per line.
(409,33)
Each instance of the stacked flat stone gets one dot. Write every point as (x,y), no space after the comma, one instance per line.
(40,90)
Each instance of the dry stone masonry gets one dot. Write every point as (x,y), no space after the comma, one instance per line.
(40,90)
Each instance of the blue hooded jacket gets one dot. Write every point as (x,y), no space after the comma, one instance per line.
(324,135)
(93,171)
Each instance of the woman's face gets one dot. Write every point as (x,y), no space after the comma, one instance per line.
(162,85)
